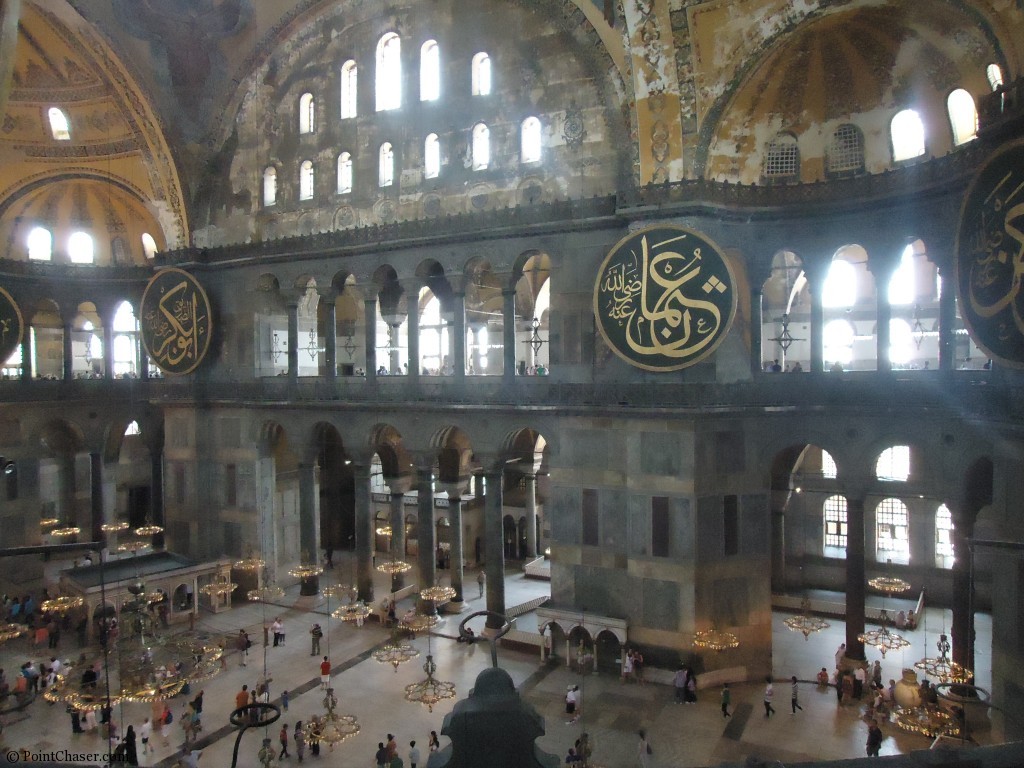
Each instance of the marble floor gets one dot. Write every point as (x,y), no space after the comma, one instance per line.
(682,735)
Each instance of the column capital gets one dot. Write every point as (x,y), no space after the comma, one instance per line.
(399,486)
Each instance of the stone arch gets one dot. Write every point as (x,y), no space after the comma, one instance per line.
(336,488)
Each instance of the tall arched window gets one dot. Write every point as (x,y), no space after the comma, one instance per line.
(840,288)
(781,158)
(60,128)
(349,79)
(846,149)
(430,71)
(307,113)
(828,466)
(894,464)
(389,72)
(963,116)
(481,74)
(902,348)
(834,515)
(386,173)
(80,248)
(435,353)
(903,283)
(907,133)
(892,539)
(995,76)
(431,156)
(344,173)
(270,186)
(530,140)
(943,537)
(148,245)
(481,147)
(837,340)
(40,244)
(126,340)
(306,180)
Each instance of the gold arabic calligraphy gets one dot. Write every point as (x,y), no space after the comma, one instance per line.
(176,325)
(649,295)
(998,265)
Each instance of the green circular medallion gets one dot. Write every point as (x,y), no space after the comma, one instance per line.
(990,256)
(11,326)
(665,298)
(176,321)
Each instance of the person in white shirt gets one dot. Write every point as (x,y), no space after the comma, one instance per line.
(145,731)
(414,754)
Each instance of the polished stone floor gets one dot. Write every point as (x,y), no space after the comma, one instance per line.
(682,735)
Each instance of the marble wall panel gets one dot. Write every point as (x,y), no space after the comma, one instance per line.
(613,506)
(660,604)
(563,510)
(710,529)
(755,524)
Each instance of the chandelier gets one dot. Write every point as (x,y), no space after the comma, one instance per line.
(134,546)
(882,639)
(47,522)
(11,631)
(805,622)
(249,563)
(62,604)
(331,728)
(890,585)
(395,653)
(218,588)
(356,612)
(394,567)
(715,640)
(114,527)
(148,529)
(942,667)
(268,593)
(928,720)
(418,622)
(384,530)
(306,570)
(430,691)
(437,594)
(66,530)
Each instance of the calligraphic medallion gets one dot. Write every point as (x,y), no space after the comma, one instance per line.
(176,321)
(990,256)
(665,298)
(11,325)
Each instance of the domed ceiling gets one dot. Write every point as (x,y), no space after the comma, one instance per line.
(114,139)
(858,65)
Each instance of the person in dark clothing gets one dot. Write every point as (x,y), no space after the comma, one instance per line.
(131,753)
(874,743)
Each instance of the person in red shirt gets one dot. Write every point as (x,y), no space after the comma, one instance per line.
(325,672)
(242,697)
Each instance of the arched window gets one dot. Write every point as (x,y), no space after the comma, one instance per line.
(846,149)
(828,466)
(11,480)
(840,288)
(943,537)
(306,180)
(902,348)
(837,340)
(430,71)
(894,464)
(834,514)
(270,186)
(892,540)
(60,128)
(307,113)
(389,72)
(995,76)
(349,78)
(903,283)
(435,353)
(907,133)
(148,245)
(963,116)
(431,156)
(481,147)
(126,340)
(80,248)
(386,173)
(481,74)
(344,173)
(132,429)
(40,244)
(782,158)
(530,140)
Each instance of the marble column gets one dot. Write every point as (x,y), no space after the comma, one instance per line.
(817,326)
(459,339)
(370,346)
(884,313)
(413,330)
(947,319)
(66,475)
(855,602)
(363,530)
(156,493)
(108,348)
(426,533)
(293,343)
(309,525)
(962,628)
(494,550)
(26,354)
(69,356)
(531,516)
(398,547)
(508,315)
(96,496)
(330,339)
(756,360)
(455,515)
